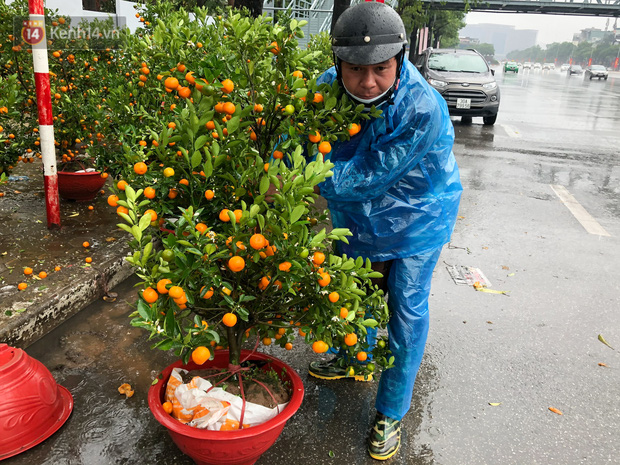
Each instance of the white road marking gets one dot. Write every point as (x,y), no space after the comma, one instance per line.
(512,132)
(587,221)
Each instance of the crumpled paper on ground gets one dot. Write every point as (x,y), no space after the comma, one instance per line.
(216,410)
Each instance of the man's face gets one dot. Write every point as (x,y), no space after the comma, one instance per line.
(369,81)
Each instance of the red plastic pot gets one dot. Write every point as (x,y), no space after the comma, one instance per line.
(82,187)
(240,447)
(33,406)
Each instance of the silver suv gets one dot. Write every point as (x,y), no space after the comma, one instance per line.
(465,81)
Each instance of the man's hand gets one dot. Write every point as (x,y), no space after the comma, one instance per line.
(271,192)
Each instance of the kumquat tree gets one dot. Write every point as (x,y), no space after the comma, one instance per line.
(79,75)
(216,186)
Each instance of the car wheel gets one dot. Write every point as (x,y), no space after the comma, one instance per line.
(465,119)
(605,77)
(489,120)
(590,78)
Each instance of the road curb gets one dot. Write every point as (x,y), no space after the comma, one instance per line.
(24,322)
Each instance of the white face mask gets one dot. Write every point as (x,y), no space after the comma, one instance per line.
(370,102)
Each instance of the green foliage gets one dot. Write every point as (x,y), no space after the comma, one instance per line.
(210,5)
(601,53)
(445,24)
(11,99)
(322,43)
(228,156)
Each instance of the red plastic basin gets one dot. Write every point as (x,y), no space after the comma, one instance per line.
(240,447)
(34,405)
(82,187)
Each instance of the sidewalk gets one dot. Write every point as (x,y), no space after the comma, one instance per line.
(25,241)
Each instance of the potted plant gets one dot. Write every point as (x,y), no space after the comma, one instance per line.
(223,178)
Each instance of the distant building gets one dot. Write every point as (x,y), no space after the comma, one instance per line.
(504,38)
(468,41)
(590,34)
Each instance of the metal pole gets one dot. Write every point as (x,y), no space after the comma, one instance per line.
(44,105)
(339,7)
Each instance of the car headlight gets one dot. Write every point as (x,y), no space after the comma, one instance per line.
(436,83)
(489,85)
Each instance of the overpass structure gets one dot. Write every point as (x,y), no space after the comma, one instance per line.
(609,8)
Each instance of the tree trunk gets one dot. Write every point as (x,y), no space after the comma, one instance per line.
(413,47)
(339,7)
(254,6)
(431,33)
(234,347)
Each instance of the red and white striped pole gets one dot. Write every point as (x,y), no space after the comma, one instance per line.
(44,104)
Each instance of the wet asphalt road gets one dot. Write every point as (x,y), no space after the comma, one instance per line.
(526,351)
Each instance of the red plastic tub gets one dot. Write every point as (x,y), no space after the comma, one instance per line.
(82,187)
(240,447)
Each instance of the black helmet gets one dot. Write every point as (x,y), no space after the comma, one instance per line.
(368,33)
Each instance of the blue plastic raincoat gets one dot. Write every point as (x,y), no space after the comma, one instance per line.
(396,183)
(396,186)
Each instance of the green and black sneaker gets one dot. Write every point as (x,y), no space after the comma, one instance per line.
(332,370)
(384,437)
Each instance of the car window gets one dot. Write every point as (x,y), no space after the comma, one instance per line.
(457,63)
(598,68)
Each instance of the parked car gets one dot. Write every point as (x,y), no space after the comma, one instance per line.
(527,65)
(564,67)
(574,69)
(597,71)
(511,66)
(465,81)
(537,66)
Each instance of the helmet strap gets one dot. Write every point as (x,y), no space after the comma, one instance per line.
(338,66)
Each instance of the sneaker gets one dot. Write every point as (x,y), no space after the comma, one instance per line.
(332,370)
(384,437)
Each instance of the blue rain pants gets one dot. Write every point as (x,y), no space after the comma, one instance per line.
(408,288)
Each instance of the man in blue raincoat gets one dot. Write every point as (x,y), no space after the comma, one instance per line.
(396,186)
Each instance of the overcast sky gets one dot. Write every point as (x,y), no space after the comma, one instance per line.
(551,28)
